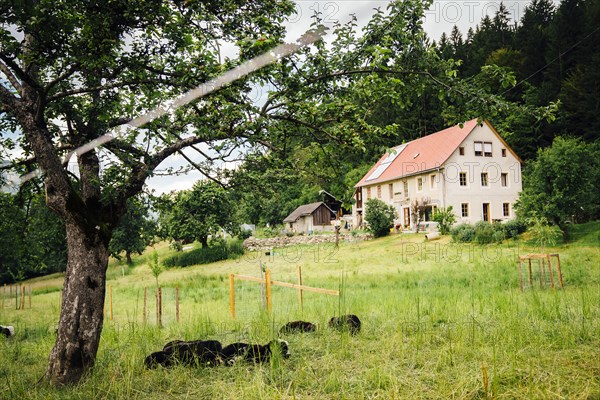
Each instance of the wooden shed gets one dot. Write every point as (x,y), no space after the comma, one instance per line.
(310,218)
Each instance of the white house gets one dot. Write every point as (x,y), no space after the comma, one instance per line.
(471,169)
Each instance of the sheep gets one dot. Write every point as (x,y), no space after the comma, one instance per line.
(298,327)
(349,322)
(159,358)
(7,331)
(196,352)
(255,353)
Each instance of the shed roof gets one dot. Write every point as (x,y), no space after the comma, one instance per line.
(306,209)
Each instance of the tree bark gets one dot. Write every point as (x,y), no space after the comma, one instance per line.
(204,241)
(82,310)
(128,257)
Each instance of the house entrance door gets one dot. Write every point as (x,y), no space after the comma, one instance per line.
(486,212)
(406,217)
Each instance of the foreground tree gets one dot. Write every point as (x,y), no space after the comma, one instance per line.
(70,71)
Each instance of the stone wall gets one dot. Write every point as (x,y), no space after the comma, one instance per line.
(253,243)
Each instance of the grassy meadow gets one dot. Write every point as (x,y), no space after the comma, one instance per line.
(440,320)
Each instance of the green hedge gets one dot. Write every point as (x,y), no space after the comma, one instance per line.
(484,232)
(206,255)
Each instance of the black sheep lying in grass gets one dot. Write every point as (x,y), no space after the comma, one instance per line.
(298,327)
(7,331)
(196,352)
(211,353)
(255,353)
(349,322)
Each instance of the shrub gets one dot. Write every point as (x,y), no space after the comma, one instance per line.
(270,232)
(463,233)
(445,219)
(244,234)
(544,234)
(513,228)
(380,217)
(205,255)
(484,232)
(498,236)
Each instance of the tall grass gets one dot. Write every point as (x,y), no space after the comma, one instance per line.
(435,315)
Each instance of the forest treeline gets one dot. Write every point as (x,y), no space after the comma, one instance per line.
(535,79)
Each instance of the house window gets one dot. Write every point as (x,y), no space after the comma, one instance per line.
(368,193)
(504,179)
(464,210)
(419,184)
(506,209)
(378,191)
(432,182)
(503,152)
(463,178)
(391,190)
(461,151)
(483,149)
(405,188)
(487,149)
(484,179)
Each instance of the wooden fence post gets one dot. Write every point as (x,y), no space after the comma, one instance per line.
(232,295)
(268,290)
(110,300)
(160,307)
(299,289)
(177,303)
(16,298)
(30,297)
(145,307)
(22,297)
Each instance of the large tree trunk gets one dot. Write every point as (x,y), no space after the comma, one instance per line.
(82,310)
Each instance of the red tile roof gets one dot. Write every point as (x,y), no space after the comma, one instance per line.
(420,155)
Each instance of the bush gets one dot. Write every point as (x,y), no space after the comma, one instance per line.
(484,232)
(244,234)
(513,228)
(380,217)
(270,232)
(445,219)
(463,233)
(205,255)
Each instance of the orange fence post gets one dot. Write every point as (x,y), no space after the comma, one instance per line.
(268,290)
(177,303)
(232,295)
(299,269)
(110,300)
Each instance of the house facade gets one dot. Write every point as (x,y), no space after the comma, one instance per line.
(314,217)
(470,168)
